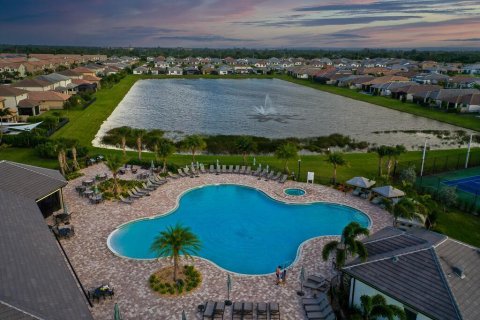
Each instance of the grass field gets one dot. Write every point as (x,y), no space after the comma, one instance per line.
(461,226)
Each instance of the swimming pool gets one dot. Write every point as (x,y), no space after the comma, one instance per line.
(241,229)
(294,192)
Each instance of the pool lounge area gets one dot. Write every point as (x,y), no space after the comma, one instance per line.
(95,263)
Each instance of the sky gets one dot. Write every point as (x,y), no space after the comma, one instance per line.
(242,23)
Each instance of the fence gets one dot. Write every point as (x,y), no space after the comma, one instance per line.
(434,165)
(60,124)
(85,106)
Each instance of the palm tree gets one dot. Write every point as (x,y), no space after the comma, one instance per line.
(73,144)
(5,112)
(176,241)
(409,209)
(165,149)
(61,147)
(392,154)
(194,143)
(114,163)
(348,245)
(376,307)
(123,133)
(381,151)
(245,145)
(286,152)
(138,134)
(153,139)
(336,159)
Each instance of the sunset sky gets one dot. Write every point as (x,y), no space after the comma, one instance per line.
(243,23)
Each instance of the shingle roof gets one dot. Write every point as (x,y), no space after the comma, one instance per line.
(27,103)
(29,181)
(31,83)
(47,96)
(35,281)
(7,91)
(421,274)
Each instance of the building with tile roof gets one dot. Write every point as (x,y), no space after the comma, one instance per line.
(427,274)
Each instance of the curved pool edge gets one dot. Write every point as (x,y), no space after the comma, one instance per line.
(177,204)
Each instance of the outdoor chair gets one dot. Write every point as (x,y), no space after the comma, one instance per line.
(181,173)
(237,169)
(171,175)
(230,169)
(242,170)
(237,310)
(219,170)
(270,175)
(212,168)
(224,168)
(133,194)
(202,169)
(376,200)
(134,170)
(283,178)
(316,283)
(128,200)
(262,174)
(274,309)
(219,310)
(247,312)
(142,191)
(209,310)
(277,176)
(147,187)
(322,305)
(248,171)
(327,313)
(262,311)
(257,172)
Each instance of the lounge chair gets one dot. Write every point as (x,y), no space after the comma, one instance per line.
(209,310)
(155,182)
(277,176)
(219,310)
(148,188)
(141,191)
(247,312)
(187,172)
(312,301)
(219,170)
(212,168)
(180,173)
(134,170)
(327,313)
(134,194)
(224,168)
(230,169)
(357,192)
(257,172)
(270,175)
(316,283)
(237,169)
(248,171)
(171,175)
(262,174)
(237,310)
(202,169)
(283,178)
(376,200)
(128,200)
(242,170)
(322,305)
(274,310)
(195,172)
(262,311)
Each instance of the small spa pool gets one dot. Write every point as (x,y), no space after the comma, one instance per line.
(295,192)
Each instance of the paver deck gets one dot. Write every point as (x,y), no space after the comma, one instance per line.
(95,263)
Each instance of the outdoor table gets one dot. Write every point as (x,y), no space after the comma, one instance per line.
(87,193)
(87,182)
(80,189)
(62,217)
(96,199)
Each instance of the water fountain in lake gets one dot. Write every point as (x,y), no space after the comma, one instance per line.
(267,112)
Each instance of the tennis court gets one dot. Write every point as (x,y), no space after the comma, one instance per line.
(469,184)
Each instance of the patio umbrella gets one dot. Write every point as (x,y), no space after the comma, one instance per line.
(184,317)
(254,161)
(116,313)
(229,288)
(361,182)
(267,167)
(302,279)
(217,162)
(389,192)
(95,189)
(152,167)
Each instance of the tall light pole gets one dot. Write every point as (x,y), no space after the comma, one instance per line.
(423,157)
(468,151)
(298,176)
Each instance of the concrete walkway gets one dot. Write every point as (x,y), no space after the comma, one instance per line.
(95,263)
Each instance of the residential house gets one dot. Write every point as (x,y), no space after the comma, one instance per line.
(71,74)
(208,69)
(471,68)
(367,86)
(352,81)
(407,91)
(12,97)
(48,100)
(13,67)
(430,78)
(439,97)
(224,70)
(161,64)
(85,71)
(175,71)
(463,82)
(191,70)
(84,85)
(10,117)
(27,107)
(92,79)
(385,89)
(242,69)
(261,64)
(57,80)
(428,275)
(464,103)
(140,70)
(37,282)
(33,85)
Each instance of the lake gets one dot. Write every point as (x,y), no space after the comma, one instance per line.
(262,107)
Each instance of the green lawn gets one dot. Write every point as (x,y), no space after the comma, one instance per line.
(461,226)
(465,121)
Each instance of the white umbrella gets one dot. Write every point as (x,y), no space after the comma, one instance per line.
(389,192)
(361,182)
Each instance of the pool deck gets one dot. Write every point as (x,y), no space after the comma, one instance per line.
(95,263)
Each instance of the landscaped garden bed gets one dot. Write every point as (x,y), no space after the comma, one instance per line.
(188,278)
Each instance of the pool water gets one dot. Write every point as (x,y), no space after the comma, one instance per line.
(241,229)
(295,192)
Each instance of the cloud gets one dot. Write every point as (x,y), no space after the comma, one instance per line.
(203,38)
(464,40)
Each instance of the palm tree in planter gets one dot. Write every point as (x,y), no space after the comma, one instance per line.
(175,241)
(348,245)
(194,143)
(114,163)
(376,307)
(337,160)
(286,152)
(165,149)
(245,145)
(139,134)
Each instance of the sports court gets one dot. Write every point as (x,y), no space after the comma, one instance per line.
(469,184)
